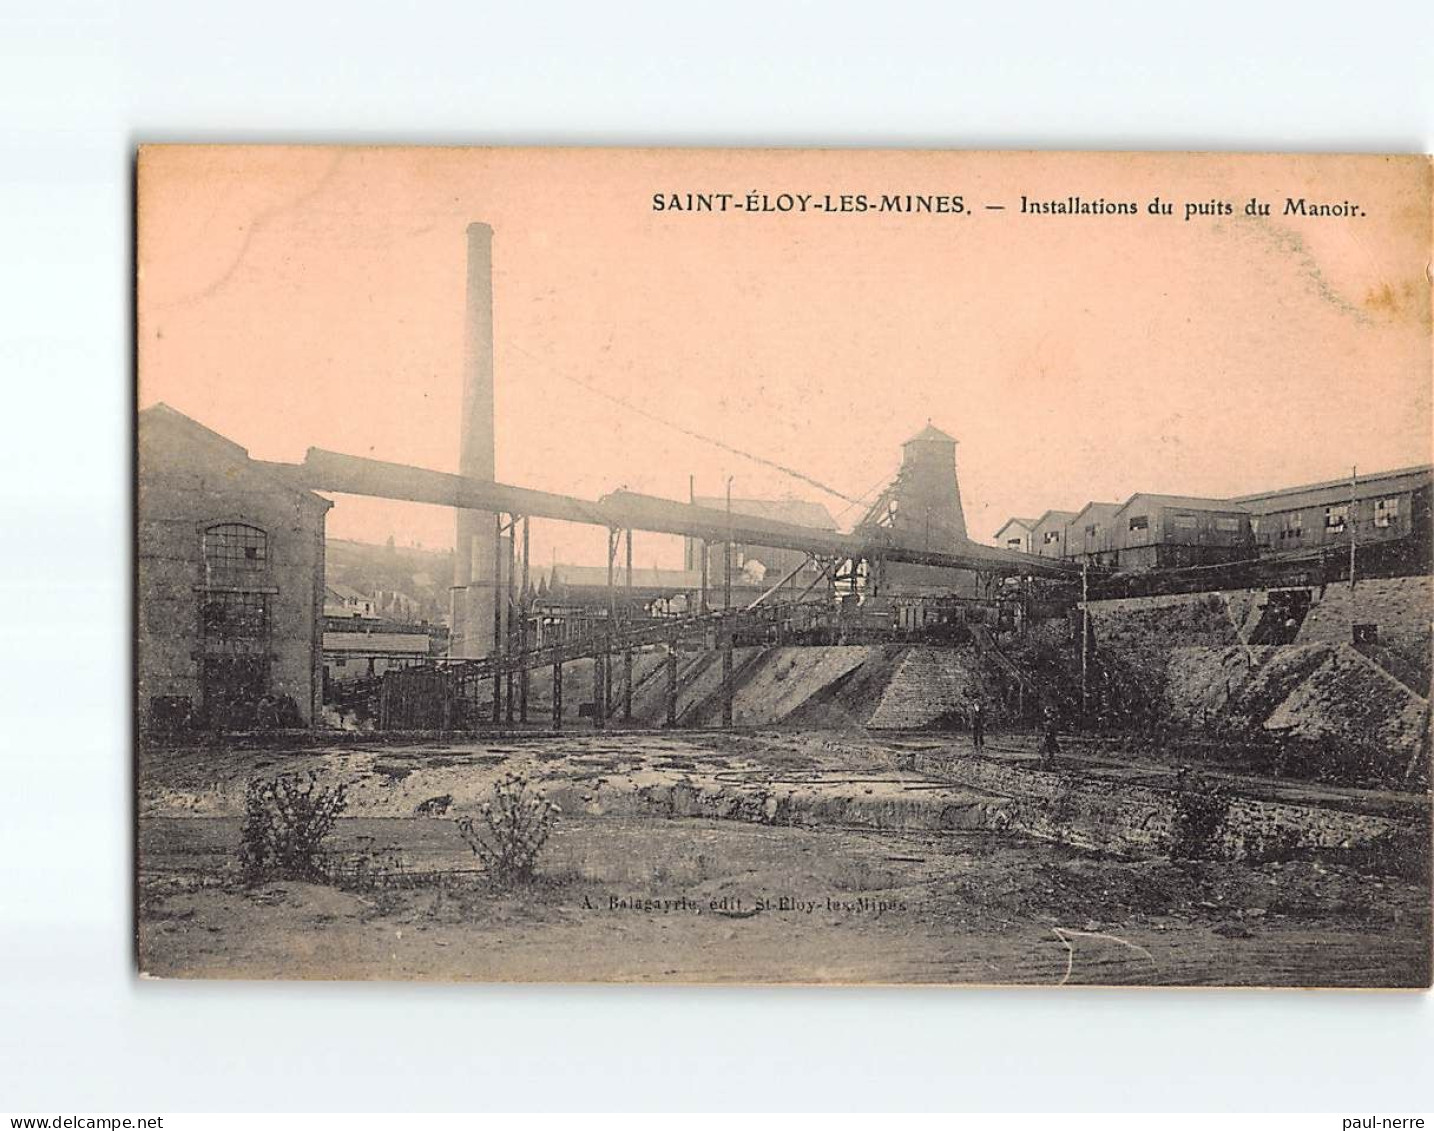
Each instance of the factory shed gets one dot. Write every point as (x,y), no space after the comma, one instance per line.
(1048,538)
(1015,535)
(1385,507)
(230,560)
(1173,531)
(1090,534)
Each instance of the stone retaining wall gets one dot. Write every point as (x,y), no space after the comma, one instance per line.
(1099,816)
(1137,820)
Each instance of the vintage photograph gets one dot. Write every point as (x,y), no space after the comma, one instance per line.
(785,566)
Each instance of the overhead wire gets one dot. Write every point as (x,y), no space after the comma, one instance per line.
(689,432)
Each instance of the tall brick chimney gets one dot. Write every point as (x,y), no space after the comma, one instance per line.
(475,565)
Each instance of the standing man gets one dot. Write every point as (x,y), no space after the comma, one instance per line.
(978,727)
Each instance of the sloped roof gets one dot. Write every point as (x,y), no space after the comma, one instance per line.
(1062,517)
(1026,523)
(1100,510)
(161,412)
(162,415)
(1185,502)
(799,512)
(930,432)
(408,643)
(1338,490)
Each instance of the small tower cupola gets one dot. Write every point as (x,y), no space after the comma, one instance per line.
(928,497)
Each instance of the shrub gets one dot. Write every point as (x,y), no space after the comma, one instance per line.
(1201,809)
(285,822)
(515,824)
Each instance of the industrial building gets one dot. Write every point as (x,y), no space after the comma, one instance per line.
(231,552)
(922,506)
(1048,536)
(1172,531)
(358,648)
(1090,534)
(1388,510)
(1016,535)
(230,562)
(1369,510)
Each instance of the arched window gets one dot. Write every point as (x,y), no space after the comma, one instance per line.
(235,554)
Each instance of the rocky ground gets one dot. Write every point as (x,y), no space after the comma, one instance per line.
(625,895)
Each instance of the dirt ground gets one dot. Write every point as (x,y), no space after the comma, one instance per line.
(622,897)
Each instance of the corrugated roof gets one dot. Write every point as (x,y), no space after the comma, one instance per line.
(1101,510)
(1338,490)
(408,643)
(1185,502)
(799,512)
(1066,516)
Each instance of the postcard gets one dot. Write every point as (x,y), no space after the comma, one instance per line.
(790,566)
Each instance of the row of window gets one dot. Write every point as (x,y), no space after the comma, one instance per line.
(1336,519)
(1184,520)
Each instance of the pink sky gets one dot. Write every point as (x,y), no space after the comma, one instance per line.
(308,296)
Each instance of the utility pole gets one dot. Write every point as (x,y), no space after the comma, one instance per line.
(1353,495)
(1084,636)
(627,649)
(499,648)
(1353,492)
(699,548)
(610,636)
(727,568)
(523,639)
(727,616)
(509,608)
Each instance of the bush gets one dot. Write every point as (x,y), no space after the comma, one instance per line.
(1201,809)
(285,822)
(515,825)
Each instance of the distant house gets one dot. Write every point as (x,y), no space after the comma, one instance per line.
(1016,534)
(774,563)
(346,601)
(1048,536)
(1374,508)
(1090,535)
(1171,531)
(230,561)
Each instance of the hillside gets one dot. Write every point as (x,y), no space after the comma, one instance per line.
(425,575)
